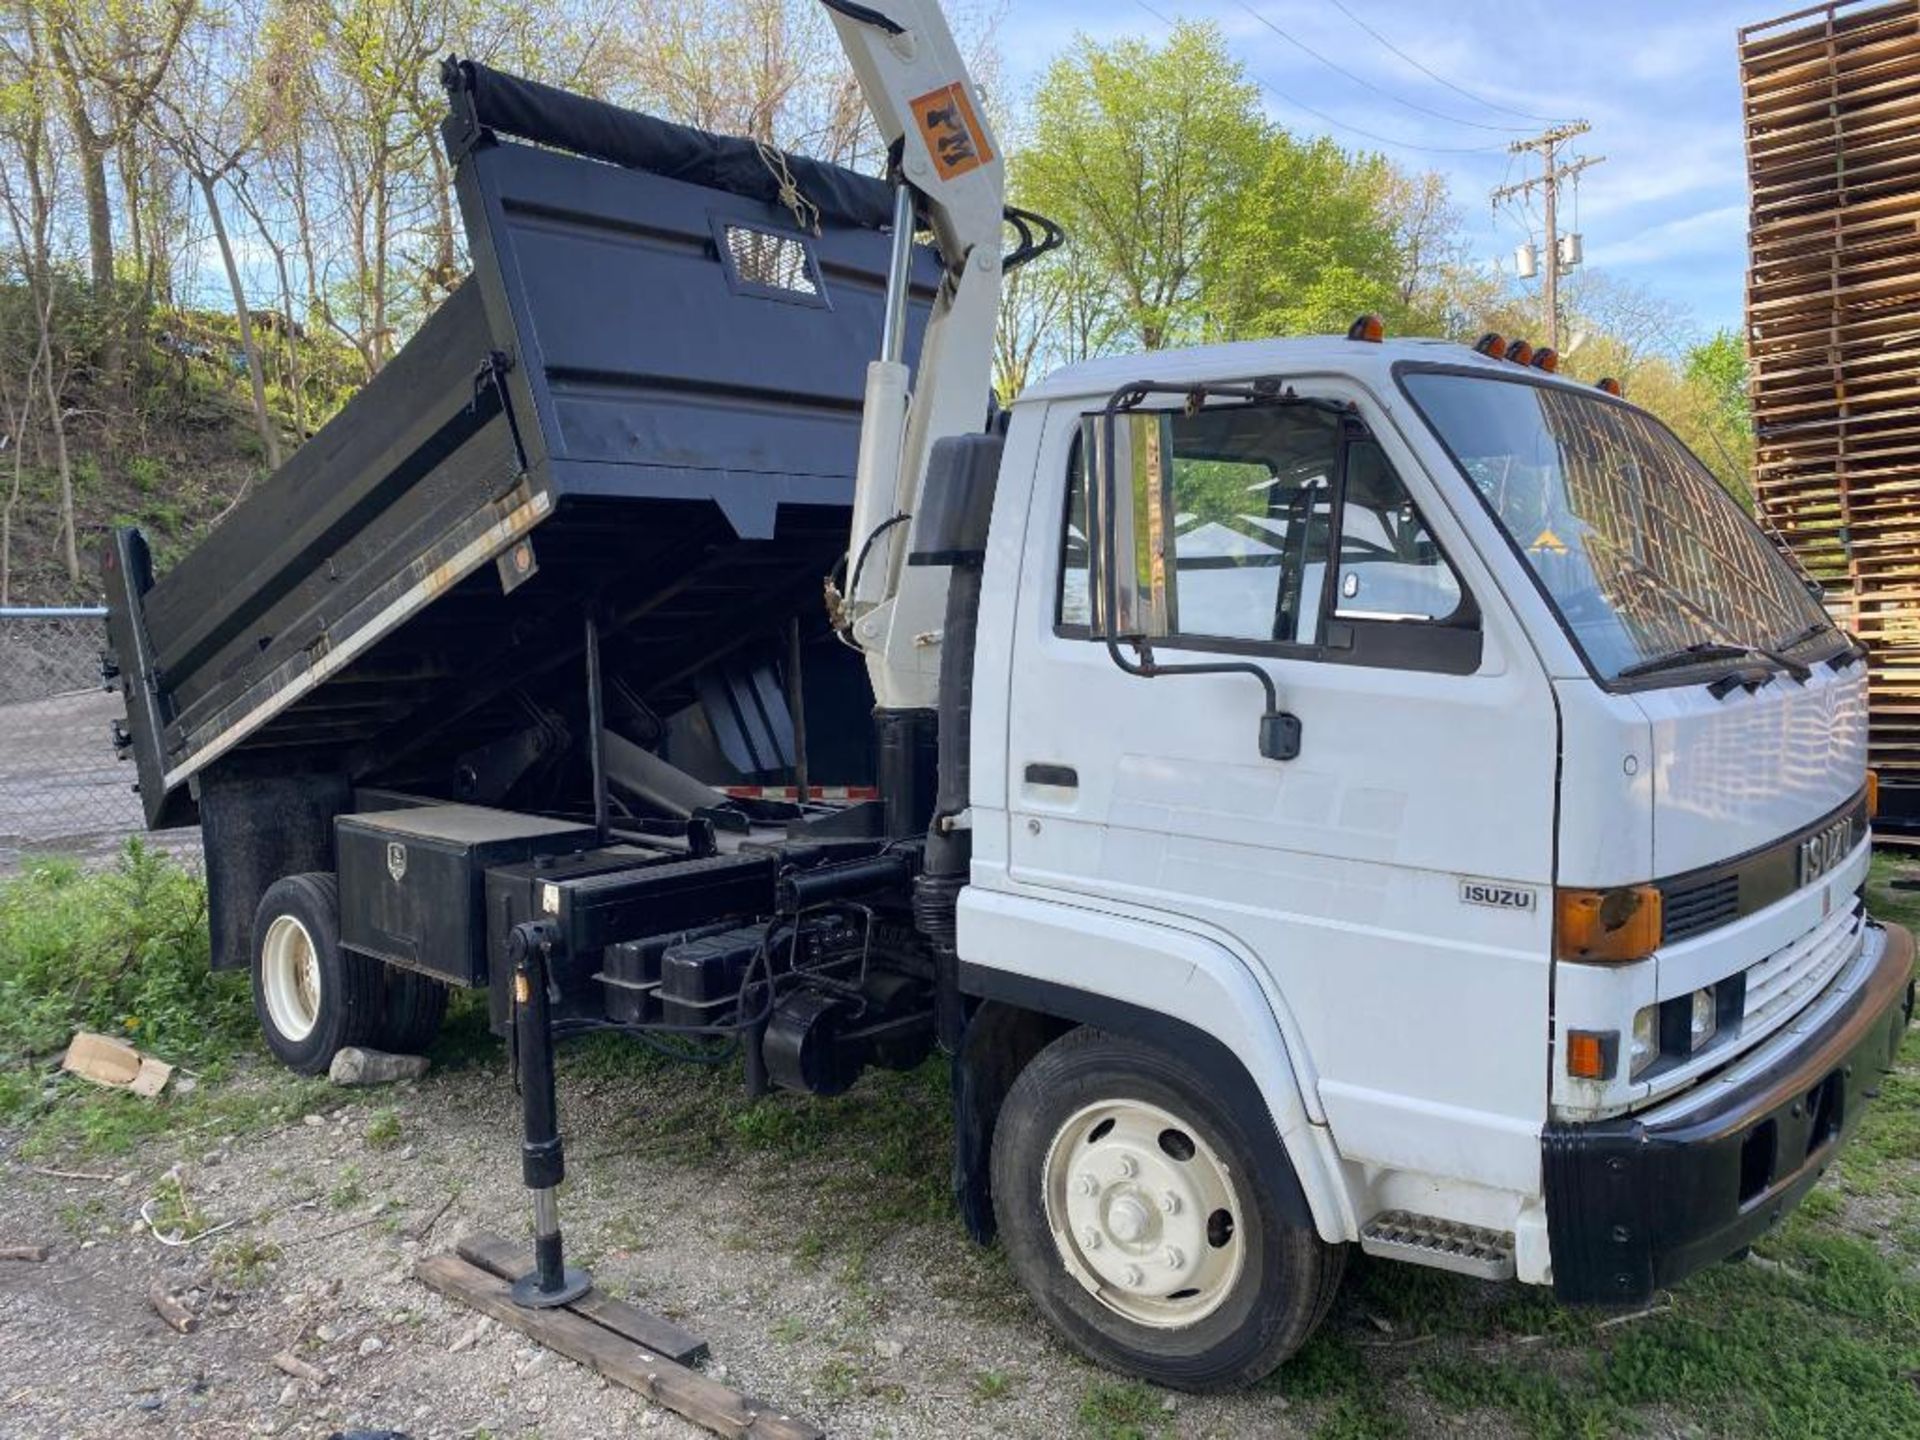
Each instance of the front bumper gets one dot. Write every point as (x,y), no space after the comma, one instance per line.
(1641,1201)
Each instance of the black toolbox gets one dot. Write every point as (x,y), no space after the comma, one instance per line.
(413,882)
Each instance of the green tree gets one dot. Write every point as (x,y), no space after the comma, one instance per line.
(1718,365)
(1305,246)
(1142,152)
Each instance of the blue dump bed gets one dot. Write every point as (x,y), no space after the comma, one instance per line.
(644,402)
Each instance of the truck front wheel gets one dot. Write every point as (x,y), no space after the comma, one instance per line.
(311,996)
(1133,1215)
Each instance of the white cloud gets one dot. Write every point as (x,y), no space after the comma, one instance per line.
(1716,232)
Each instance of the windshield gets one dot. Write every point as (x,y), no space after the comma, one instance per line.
(1643,554)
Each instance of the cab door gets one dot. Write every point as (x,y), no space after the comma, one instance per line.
(1351,878)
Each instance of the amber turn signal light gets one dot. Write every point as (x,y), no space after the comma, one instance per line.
(1873,793)
(1369,327)
(1606,927)
(1593,1054)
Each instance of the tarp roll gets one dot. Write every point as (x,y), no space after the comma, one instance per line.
(529,110)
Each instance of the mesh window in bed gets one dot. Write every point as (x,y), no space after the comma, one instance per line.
(764,260)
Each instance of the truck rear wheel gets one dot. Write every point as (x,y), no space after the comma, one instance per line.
(312,997)
(1134,1216)
(412,1009)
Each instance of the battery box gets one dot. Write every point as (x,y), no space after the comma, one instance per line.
(700,978)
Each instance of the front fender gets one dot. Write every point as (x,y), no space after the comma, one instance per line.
(1165,986)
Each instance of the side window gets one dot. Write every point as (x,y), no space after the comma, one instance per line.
(1254,490)
(1073,607)
(1252,498)
(1390,566)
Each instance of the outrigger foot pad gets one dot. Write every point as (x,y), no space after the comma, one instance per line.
(529,1296)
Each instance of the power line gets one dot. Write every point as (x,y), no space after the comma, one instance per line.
(1435,75)
(1286,99)
(1362,80)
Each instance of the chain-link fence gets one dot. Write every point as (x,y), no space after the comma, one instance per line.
(63,791)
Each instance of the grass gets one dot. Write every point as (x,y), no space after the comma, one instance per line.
(349,1190)
(1123,1410)
(992,1385)
(124,952)
(383,1130)
(243,1264)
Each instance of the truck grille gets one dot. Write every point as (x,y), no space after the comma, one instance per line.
(1782,982)
(1698,908)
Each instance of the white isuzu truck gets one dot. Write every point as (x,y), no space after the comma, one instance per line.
(1329,792)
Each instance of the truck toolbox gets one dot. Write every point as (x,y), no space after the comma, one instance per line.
(413,882)
(646,395)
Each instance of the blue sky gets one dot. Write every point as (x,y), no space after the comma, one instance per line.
(1658,81)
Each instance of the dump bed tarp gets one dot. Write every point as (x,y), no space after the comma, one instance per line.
(651,379)
(528,110)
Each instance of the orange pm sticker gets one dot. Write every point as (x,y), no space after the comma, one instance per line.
(952,131)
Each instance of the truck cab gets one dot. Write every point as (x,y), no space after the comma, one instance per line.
(1543,955)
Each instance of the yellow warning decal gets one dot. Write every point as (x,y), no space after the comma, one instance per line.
(951,130)
(1548,541)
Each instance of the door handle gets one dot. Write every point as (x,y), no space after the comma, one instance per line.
(1063,776)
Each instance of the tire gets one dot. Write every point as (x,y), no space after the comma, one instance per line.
(411,1011)
(1246,1291)
(312,998)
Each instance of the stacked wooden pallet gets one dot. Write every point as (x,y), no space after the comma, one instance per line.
(1832,109)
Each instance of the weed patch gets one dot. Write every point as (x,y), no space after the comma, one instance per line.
(121,951)
(1123,1410)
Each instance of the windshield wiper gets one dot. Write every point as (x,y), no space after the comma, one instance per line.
(1697,653)
(1813,631)
(1711,648)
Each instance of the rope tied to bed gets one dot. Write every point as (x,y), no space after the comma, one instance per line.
(805,213)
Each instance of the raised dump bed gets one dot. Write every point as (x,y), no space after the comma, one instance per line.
(644,402)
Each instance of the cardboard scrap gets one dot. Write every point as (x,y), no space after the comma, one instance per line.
(116,1065)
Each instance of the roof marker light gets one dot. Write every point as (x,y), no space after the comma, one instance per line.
(1492,345)
(1612,386)
(1546,358)
(1369,327)
(1520,352)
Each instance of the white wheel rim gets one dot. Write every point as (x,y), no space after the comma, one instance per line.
(1144,1214)
(290,976)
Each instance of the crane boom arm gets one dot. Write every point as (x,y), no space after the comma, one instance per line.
(917,88)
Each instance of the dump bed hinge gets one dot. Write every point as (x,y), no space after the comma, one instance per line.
(490,387)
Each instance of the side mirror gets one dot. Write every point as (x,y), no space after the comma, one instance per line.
(1129,523)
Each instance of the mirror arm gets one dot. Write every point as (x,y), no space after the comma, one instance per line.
(1279,730)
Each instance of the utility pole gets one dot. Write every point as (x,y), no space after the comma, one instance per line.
(1552,172)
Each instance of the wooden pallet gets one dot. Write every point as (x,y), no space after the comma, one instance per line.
(627,1345)
(1831,102)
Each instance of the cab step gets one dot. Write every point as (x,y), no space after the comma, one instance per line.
(1443,1244)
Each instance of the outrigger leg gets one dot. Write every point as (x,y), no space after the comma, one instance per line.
(543,1165)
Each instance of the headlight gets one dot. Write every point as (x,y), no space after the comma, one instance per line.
(1646,1040)
(1704,1023)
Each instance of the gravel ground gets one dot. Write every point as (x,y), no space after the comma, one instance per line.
(869,1328)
